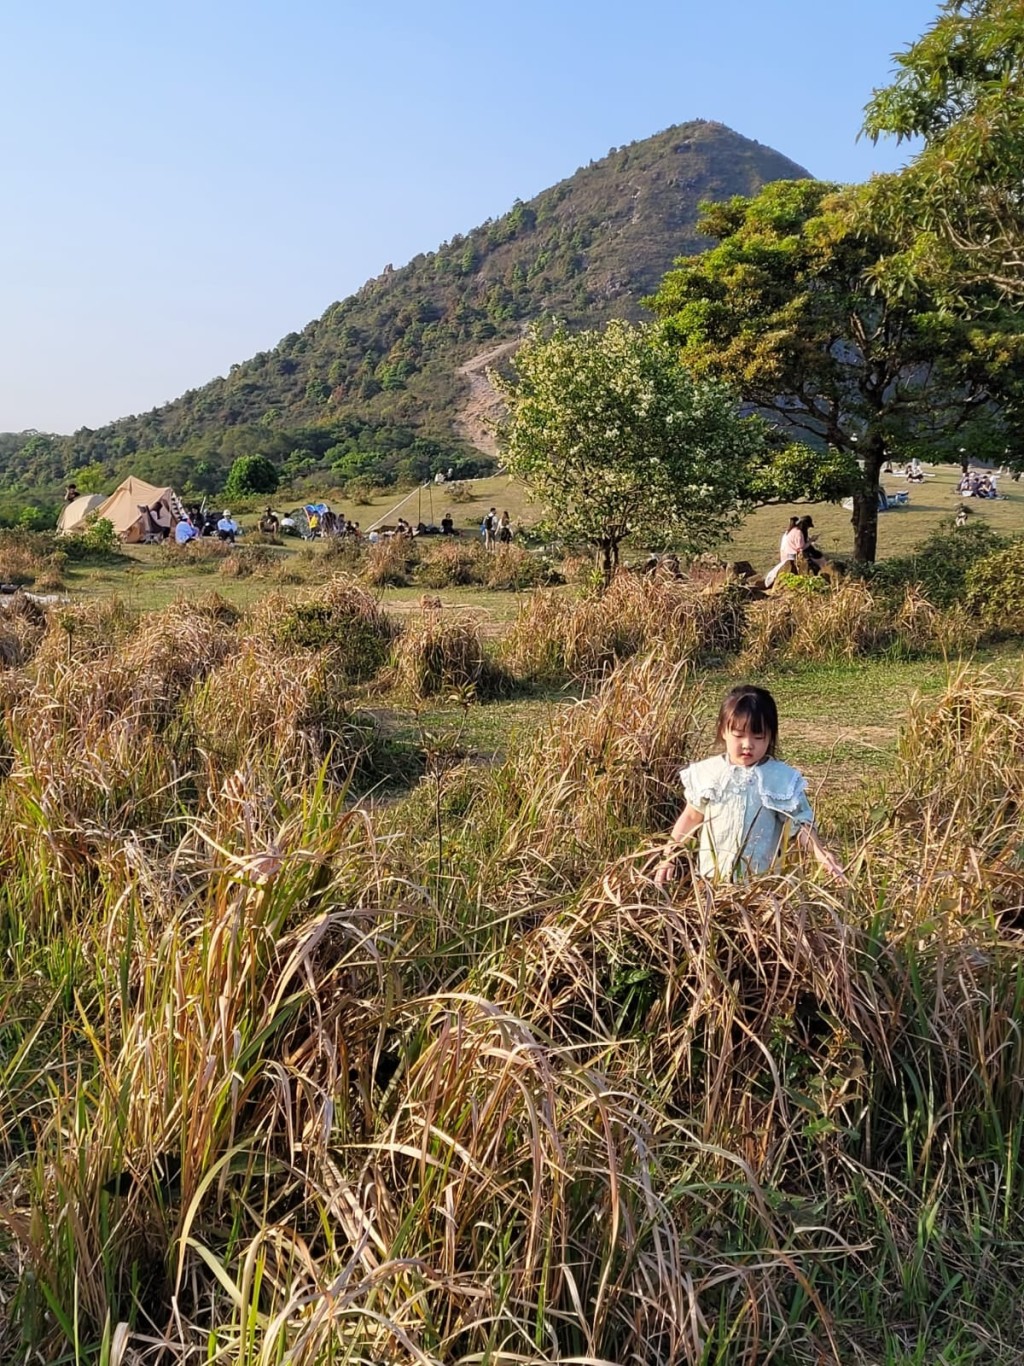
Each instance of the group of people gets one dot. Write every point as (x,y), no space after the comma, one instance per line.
(495,529)
(197,523)
(796,543)
(975,484)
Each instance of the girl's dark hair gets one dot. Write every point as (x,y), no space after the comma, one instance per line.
(753,708)
(805,524)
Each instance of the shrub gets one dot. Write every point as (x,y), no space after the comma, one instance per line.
(99,538)
(995,589)
(940,563)
(251,474)
(344,619)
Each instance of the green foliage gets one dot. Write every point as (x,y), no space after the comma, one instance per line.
(251,474)
(98,539)
(960,88)
(995,589)
(613,436)
(941,565)
(801,474)
(785,308)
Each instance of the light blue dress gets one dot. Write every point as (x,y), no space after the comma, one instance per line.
(746,812)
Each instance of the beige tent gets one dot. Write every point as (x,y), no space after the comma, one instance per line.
(73,515)
(126,509)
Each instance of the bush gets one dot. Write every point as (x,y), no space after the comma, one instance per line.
(251,474)
(995,589)
(344,619)
(98,539)
(940,564)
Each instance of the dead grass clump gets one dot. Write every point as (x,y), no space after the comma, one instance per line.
(23,625)
(555,637)
(24,555)
(389,563)
(515,568)
(202,553)
(452,563)
(960,762)
(249,561)
(266,708)
(439,656)
(819,620)
(603,774)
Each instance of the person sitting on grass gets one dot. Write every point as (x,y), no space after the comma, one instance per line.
(269,523)
(185,531)
(447,525)
(745,802)
(227,527)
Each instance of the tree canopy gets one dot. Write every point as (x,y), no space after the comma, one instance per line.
(960,87)
(615,437)
(251,474)
(785,308)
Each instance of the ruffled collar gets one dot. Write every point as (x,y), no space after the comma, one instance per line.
(779,786)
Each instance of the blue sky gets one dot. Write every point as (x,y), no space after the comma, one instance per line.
(185,183)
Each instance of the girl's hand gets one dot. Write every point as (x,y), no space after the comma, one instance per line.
(833,867)
(666,871)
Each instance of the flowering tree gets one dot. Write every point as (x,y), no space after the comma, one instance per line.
(614,437)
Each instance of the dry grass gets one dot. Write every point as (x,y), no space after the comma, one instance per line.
(555,637)
(282,1081)
(438,655)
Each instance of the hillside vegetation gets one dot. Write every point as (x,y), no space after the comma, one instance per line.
(381,368)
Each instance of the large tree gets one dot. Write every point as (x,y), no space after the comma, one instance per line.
(613,435)
(960,88)
(788,310)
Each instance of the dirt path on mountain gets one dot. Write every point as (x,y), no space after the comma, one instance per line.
(482,406)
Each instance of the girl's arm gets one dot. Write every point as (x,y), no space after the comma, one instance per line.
(807,837)
(689,820)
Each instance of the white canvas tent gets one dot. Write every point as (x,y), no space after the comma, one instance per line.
(127,506)
(74,514)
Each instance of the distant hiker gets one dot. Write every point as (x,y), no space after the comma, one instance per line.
(743,802)
(504,529)
(227,527)
(489,527)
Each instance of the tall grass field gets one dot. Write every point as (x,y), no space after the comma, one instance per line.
(341,1020)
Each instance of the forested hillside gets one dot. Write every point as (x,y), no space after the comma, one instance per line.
(376,376)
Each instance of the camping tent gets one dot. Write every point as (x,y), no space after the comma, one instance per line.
(73,515)
(126,509)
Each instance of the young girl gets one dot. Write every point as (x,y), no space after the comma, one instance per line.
(742,801)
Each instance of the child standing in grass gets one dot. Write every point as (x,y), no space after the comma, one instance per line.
(743,801)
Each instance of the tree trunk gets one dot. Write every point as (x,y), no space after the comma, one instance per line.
(609,547)
(865,503)
(607,561)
